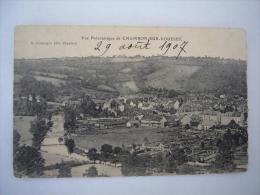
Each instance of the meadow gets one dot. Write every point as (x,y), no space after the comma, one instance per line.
(124,136)
(23,124)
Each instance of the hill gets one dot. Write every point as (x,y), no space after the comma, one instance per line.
(129,75)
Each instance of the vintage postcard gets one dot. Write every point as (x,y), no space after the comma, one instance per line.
(102,101)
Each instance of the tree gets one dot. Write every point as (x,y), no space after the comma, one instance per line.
(158,161)
(175,158)
(172,110)
(187,126)
(91,172)
(106,149)
(170,165)
(172,93)
(70,144)
(225,157)
(92,154)
(88,106)
(106,153)
(146,140)
(233,125)
(28,161)
(136,165)
(16,140)
(114,104)
(185,169)
(195,120)
(117,150)
(180,156)
(202,145)
(64,170)
(29,85)
(40,108)
(60,139)
(70,115)
(39,129)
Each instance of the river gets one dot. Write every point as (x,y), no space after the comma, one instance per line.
(54,152)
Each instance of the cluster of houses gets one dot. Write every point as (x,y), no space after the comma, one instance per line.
(209,120)
(154,112)
(149,112)
(28,105)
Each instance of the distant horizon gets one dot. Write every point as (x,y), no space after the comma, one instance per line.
(136,56)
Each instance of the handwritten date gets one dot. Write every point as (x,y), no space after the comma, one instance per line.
(164,48)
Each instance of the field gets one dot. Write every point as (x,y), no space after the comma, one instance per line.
(17,78)
(22,124)
(128,75)
(79,170)
(169,76)
(101,168)
(124,136)
(54,81)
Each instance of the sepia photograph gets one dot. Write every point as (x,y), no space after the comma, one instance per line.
(112,101)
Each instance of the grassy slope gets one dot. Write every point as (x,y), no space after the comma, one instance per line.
(184,74)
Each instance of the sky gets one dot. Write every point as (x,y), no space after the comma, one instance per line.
(32,42)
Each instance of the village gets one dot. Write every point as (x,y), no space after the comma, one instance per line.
(204,111)
(128,118)
(194,123)
(197,121)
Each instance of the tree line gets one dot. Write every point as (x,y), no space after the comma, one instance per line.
(28,160)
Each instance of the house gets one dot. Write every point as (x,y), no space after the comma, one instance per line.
(140,105)
(139,117)
(121,107)
(132,104)
(99,103)
(154,123)
(148,107)
(172,120)
(70,102)
(190,106)
(30,98)
(54,106)
(226,119)
(38,99)
(113,106)
(145,105)
(133,123)
(185,120)
(208,121)
(105,122)
(222,96)
(122,99)
(176,105)
(106,105)
(168,105)
(206,124)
